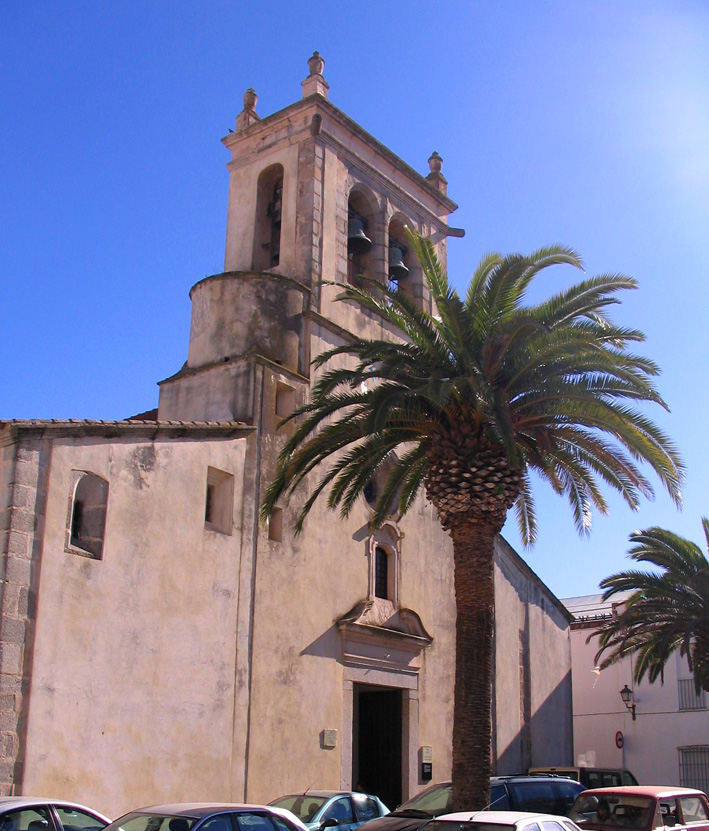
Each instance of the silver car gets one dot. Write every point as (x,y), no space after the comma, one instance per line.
(200,816)
(325,809)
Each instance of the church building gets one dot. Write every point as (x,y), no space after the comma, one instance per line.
(157,642)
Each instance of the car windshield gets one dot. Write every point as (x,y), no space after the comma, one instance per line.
(152,822)
(438,799)
(613,810)
(304,806)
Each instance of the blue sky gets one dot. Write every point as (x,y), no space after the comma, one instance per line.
(581,122)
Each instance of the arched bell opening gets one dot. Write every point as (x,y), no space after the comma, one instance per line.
(403,269)
(361,236)
(267,230)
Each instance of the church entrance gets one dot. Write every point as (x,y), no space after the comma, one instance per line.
(376,742)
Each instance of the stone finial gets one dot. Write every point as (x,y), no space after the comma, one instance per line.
(434,162)
(435,177)
(248,115)
(316,64)
(250,99)
(315,84)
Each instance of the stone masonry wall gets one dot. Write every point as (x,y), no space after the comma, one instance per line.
(25,468)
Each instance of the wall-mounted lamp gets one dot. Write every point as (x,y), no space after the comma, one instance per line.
(628,699)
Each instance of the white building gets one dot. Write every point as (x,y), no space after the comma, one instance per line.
(662,735)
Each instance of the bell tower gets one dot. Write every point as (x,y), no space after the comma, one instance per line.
(313,199)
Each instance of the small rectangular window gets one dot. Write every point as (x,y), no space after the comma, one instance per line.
(219,501)
(285,400)
(688,698)
(694,767)
(87,515)
(275,525)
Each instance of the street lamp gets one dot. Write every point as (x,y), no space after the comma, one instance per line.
(627,695)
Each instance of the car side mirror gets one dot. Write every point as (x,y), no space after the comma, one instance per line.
(669,820)
(329,823)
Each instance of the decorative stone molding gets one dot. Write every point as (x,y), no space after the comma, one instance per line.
(375,636)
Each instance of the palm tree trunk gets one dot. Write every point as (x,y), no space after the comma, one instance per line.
(473,549)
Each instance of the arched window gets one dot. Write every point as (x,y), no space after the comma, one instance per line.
(88,514)
(401,264)
(360,236)
(381,573)
(267,229)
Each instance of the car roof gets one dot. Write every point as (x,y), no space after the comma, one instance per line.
(318,793)
(8,801)
(198,809)
(517,777)
(498,817)
(655,791)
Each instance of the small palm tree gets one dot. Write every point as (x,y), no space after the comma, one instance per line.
(472,399)
(668,609)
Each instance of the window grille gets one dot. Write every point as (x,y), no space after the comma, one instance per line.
(688,698)
(694,767)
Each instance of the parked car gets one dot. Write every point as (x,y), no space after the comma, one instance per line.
(26,813)
(200,816)
(322,809)
(641,807)
(501,821)
(546,794)
(591,777)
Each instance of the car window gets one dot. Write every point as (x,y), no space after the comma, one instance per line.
(282,824)
(340,809)
(533,796)
(27,819)
(221,822)
(303,806)
(532,826)
(693,809)
(438,799)
(499,800)
(253,822)
(136,821)
(567,793)
(365,808)
(550,825)
(75,820)
(628,778)
(610,778)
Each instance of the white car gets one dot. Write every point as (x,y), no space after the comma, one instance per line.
(30,813)
(500,821)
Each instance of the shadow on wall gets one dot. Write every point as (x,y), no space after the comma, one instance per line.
(547,739)
(328,645)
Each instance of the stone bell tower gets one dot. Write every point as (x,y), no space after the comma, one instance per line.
(313,198)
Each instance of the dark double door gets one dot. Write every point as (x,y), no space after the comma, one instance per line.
(377,742)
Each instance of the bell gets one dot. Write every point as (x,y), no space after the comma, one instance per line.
(357,241)
(397,269)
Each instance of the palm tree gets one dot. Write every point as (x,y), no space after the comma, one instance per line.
(466,404)
(668,609)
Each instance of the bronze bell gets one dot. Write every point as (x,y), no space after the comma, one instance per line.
(357,241)
(397,269)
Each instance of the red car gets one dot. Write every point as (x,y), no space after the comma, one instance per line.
(641,808)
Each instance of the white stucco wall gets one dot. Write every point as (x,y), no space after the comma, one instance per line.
(134,662)
(651,742)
